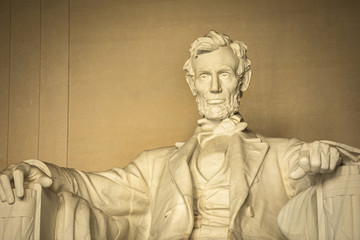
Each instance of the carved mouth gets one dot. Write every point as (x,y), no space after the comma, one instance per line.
(215,101)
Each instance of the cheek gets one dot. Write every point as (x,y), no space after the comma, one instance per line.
(230,88)
(200,87)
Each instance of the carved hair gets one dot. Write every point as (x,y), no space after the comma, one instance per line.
(211,42)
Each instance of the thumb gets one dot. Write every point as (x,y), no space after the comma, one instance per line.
(45,181)
(297,174)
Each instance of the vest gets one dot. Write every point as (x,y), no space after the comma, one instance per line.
(211,196)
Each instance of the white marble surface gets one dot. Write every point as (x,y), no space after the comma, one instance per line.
(155,196)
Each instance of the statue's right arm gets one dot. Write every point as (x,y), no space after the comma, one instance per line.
(119,190)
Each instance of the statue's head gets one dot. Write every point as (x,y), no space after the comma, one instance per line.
(218,72)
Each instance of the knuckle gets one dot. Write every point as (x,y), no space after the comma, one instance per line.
(305,146)
(325,166)
(334,153)
(333,150)
(337,154)
(324,147)
(316,163)
(304,161)
(18,172)
(12,166)
(324,170)
(315,144)
(20,166)
(3,177)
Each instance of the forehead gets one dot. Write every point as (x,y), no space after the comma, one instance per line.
(219,58)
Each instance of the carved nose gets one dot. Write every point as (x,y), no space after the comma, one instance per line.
(215,85)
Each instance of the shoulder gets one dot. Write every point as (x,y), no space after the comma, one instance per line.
(281,144)
(278,141)
(150,162)
(157,155)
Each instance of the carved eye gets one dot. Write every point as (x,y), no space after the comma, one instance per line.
(204,77)
(224,76)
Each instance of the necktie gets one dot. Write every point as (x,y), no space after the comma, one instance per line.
(227,127)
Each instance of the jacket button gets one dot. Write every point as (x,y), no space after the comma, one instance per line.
(167,213)
(250,211)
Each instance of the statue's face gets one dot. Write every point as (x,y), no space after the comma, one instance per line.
(216,83)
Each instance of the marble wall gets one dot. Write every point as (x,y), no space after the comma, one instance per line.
(90,84)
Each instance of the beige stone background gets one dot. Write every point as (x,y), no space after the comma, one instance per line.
(90,84)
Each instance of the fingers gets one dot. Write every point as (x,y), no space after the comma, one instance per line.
(304,161)
(21,171)
(325,155)
(330,158)
(2,194)
(15,174)
(304,166)
(6,173)
(7,189)
(315,158)
(298,174)
(34,174)
(19,182)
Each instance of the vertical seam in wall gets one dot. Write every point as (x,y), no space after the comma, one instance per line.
(8,124)
(40,63)
(68,93)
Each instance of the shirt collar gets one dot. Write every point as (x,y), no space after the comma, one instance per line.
(227,127)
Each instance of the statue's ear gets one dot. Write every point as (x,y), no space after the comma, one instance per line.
(245,80)
(190,80)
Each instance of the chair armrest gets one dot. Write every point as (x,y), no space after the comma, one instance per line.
(30,217)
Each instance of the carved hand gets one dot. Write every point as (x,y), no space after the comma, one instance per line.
(316,157)
(16,175)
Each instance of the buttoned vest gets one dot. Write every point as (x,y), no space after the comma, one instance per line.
(211,196)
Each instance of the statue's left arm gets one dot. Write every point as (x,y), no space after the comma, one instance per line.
(302,167)
(302,161)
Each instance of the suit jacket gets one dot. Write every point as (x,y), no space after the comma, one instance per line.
(153,194)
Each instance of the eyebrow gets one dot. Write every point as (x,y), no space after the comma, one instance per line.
(225,67)
(220,69)
(202,70)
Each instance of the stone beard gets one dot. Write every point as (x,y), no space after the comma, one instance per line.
(219,111)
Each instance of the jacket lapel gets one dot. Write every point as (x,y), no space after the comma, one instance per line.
(180,172)
(246,154)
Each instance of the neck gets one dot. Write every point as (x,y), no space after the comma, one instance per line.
(214,121)
(236,116)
